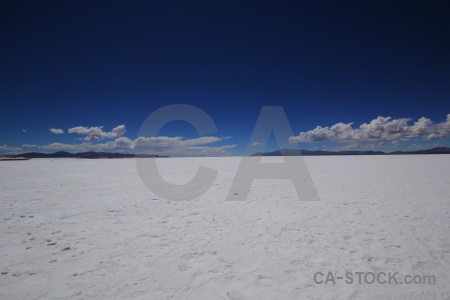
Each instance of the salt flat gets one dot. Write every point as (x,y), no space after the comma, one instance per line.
(90,229)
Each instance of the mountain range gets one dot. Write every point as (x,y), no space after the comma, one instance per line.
(92,155)
(297,152)
(282,152)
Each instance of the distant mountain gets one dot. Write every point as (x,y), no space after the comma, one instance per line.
(298,152)
(91,155)
(282,152)
(60,154)
(437,150)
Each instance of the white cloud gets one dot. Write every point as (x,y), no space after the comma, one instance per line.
(97,133)
(377,131)
(56,131)
(444,128)
(256,144)
(203,140)
(170,146)
(176,146)
(163,145)
(421,127)
(59,146)
(4,148)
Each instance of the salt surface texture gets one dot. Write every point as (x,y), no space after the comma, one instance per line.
(90,229)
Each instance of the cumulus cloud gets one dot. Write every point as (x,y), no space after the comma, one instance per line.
(376,132)
(163,145)
(177,146)
(56,131)
(97,133)
(5,148)
(58,146)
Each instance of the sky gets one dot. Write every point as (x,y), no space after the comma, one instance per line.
(350,75)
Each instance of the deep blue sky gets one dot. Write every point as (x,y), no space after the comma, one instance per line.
(105,63)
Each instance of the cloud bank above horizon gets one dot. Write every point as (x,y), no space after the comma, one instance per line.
(338,137)
(161,145)
(374,134)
